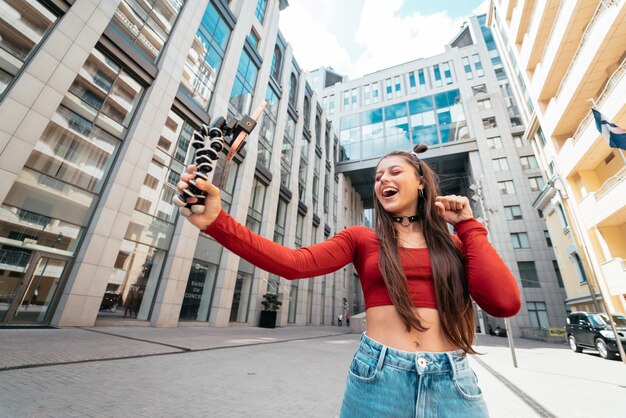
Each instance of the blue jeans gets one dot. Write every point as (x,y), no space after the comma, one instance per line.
(385,382)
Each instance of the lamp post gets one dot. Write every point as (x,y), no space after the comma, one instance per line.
(480,199)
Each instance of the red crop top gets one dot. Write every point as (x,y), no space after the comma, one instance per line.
(491,283)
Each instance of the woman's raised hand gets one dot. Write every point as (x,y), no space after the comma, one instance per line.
(212,203)
(453,209)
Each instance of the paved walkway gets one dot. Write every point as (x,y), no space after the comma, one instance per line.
(245,372)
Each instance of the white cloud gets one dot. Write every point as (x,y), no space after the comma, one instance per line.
(315,42)
(357,37)
(391,39)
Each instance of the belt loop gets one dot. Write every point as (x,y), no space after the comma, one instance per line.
(381,358)
(452,364)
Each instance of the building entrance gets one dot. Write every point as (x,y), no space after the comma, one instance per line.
(29,282)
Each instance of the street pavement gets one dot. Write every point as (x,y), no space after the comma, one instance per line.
(255,372)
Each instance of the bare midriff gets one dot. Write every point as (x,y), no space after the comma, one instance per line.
(385,326)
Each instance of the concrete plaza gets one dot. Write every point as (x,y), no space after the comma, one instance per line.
(254,372)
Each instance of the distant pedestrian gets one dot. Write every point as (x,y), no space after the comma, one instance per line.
(348,320)
(339,319)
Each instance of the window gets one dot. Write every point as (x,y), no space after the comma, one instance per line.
(267,130)
(261,6)
(397,86)
(479,89)
(375,93)
(255,210)
(293,89)
(538,314)
(536,183)
(366,94)
(528,162)
(513,212)
(437,72)
(506,187)
(205,57)
(484,104)
(582,276)
(412,84)
(546,234)
(243,88)
(494,142)
(146,25)
(346,100)
(489,122)
(562,214)
(520,141)
(388,90)
(520,240)
(354,98)
(500,164)
(468,68)
(277,63)
(478,66)
(447,73)
(422,80)
(528,274)
(557,271)
(25,23)
(253,39)
(331,104)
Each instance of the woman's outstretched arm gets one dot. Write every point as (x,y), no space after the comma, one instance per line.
(315,260)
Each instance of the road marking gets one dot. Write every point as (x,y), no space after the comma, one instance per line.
(529,400)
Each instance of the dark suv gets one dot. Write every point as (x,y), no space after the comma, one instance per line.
(593,330)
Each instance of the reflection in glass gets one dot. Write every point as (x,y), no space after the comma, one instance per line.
(241,298)
(23,24)
(205,57)
(40,290)
(146,24)
(30,230)
(133,282)
(243,89)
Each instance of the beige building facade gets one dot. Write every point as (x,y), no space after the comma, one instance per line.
(568,56)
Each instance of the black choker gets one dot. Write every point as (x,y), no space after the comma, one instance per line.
(400,219)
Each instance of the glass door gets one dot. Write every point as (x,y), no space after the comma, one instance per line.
(29,281)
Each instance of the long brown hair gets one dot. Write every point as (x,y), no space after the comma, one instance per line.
(451,291)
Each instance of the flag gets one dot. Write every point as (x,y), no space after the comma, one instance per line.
(613,133)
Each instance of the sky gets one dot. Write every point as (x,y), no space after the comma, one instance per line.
(358,37)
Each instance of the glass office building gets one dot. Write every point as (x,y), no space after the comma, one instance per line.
(98,103)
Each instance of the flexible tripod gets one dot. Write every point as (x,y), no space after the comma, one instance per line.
(209,142)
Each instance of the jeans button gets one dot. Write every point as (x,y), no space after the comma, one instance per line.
(421,362)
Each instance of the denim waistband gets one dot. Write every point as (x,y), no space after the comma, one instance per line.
(419,361)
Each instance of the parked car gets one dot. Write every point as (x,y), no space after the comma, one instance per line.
(592,330)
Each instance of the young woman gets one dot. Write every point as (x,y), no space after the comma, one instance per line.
(417,280)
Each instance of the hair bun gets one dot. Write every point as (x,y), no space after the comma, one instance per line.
(419,148)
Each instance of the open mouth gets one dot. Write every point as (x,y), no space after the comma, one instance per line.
(389,191)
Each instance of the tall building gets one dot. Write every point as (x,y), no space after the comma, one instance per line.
(568,56)
(98,101)
(461,103)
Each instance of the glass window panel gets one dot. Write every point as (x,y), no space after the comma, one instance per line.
(20,226)
(205,57)
(23,25)
(148,230)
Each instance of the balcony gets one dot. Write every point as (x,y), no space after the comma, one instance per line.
(536,36)
(521,17)
(614,272)
(606,205)
(563,40)
(598,56)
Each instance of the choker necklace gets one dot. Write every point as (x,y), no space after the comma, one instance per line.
(400,220)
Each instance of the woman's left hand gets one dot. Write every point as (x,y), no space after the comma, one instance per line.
(453,209)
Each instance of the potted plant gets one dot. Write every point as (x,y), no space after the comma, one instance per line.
(271,304)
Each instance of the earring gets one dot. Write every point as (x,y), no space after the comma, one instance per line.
(421,193)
